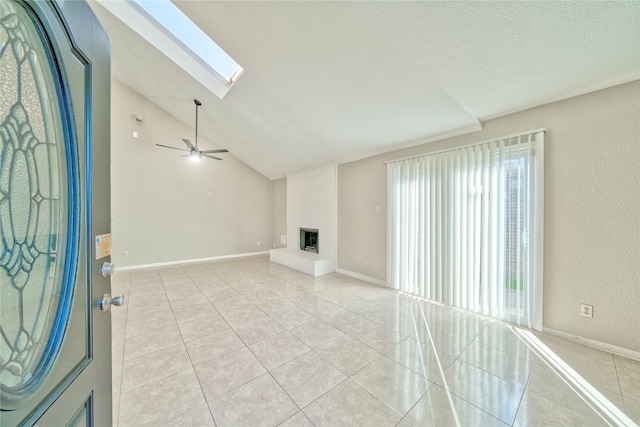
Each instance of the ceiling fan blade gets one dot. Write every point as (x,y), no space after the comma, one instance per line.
(189,144)
(173,148)
(211,157)
(224,150)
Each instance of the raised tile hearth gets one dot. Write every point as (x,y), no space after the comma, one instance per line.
(307,262)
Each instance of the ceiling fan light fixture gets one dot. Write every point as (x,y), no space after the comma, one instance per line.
(195,156)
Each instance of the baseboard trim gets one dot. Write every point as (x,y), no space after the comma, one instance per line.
(362,277)
(190,261)
(598,345)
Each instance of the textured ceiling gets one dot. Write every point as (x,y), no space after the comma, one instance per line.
(339,81)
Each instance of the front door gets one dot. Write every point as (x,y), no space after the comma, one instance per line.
(55,352)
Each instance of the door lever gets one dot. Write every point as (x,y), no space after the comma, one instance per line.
(107,301)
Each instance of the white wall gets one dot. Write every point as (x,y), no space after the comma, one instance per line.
(592,210)
(166,208)
(279,209)
(312,203)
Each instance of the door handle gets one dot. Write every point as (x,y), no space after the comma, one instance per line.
(107,269)
(107,301)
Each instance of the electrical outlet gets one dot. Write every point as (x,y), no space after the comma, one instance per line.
(377,209)
(258,243)
(586,310)
(368,263)
(125,254)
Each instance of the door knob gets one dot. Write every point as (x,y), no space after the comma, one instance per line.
(107,269)
(107,301)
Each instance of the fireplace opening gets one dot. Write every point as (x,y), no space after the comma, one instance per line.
(309,240)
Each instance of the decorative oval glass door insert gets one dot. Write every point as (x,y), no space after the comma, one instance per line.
(38,205)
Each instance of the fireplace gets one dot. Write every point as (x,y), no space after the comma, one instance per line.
(309,240)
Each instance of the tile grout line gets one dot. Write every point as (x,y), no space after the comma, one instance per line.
(188,355)
(126,314)
(622,395)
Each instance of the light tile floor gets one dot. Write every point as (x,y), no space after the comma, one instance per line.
(246,342)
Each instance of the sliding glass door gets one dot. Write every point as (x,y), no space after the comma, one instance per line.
(465,227)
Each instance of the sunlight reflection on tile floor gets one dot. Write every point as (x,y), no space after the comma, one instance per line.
(246,342)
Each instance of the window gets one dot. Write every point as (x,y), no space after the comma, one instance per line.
(465,227)
(169,30)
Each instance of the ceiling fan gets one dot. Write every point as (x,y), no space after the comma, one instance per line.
(193,152)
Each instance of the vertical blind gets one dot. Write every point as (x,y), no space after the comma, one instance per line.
(465,227)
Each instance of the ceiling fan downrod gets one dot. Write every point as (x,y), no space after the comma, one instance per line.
(198,104)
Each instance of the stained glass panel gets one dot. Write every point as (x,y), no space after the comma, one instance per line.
(34,200)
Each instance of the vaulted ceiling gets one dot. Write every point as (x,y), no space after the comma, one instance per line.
(339,81)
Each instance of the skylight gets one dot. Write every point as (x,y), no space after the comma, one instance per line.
(163,25)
